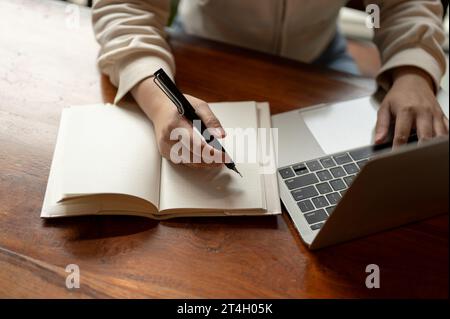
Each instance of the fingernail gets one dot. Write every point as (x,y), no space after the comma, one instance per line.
(217,132)
(214,132)
(222,132)
(378,137)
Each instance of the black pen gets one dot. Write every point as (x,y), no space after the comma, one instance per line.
(163,81)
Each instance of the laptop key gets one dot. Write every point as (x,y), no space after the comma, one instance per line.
(343,192)
(304,193)
(300,169)
(286,172)
(342,159)
(327,162)
(337,184)
(324,188)
(338,172)
(362,153)
(351,168)
(314,166)
(320,202)
(333,198)
(316,216)
(316,226)
(349,179)
(301,181)
(305,206)
(324,175)
(330,210)
(362,163)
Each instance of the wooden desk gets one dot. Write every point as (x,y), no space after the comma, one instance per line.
(45,65)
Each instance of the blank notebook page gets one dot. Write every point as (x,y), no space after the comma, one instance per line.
(110,150)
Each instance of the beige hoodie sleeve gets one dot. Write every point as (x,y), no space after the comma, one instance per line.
(131,36)
(132,40)
(410,34)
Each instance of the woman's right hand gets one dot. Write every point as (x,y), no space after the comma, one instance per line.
(165,117)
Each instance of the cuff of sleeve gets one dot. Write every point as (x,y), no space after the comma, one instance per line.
(416,57)
(134,70)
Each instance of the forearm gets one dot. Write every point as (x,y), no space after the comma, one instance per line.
(148,95)
(412,76)
(131,38)
(410,35)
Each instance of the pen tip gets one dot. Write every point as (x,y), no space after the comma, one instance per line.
(235,169)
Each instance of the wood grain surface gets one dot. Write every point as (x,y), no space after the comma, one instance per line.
(47,63)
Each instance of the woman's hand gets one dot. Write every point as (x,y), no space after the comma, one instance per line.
(412,103)
(166,118)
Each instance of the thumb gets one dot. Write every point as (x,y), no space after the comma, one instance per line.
(210,120)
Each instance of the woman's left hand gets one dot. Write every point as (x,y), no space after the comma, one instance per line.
(411,102)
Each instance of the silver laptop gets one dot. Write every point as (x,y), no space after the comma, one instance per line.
(337,186)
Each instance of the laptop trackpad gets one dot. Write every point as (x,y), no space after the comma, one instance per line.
(350,124)
(342,126)
(295,142)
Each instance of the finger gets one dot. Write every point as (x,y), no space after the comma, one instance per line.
(203,165)
(383,124)
(180,154)
(403,126)
(446,123)
(173,149)
(179,143)
(200,151)
(205,152)
(210,120)
(439,127)
(424,125)
(191,144)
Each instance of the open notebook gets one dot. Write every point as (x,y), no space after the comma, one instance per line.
(106,161)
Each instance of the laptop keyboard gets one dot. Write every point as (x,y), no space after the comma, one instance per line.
(318,185)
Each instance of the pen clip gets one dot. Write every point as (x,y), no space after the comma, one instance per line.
(169,94)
